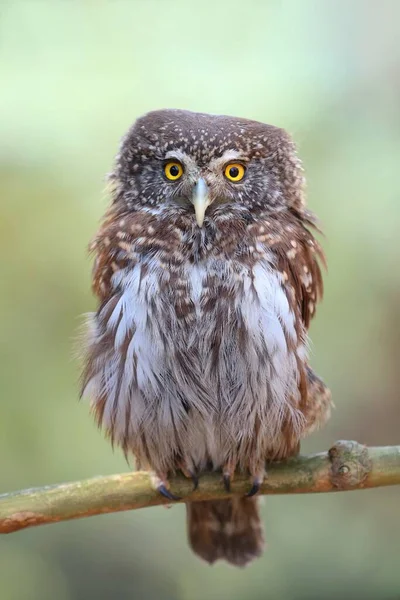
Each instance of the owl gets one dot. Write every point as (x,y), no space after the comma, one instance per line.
(207,275)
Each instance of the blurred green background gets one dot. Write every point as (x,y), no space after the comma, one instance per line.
(74,75)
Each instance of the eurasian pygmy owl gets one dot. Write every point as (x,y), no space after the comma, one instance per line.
(207,276)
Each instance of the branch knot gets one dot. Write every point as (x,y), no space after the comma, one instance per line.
(350,464)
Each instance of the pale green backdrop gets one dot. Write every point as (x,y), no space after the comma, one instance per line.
(73,76)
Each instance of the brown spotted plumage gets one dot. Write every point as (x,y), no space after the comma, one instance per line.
(207,275)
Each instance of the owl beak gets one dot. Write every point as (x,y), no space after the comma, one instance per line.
(200,201)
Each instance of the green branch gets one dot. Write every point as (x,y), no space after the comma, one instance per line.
(347,466)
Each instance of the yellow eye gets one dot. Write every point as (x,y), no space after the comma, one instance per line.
(173,170)
(234,172)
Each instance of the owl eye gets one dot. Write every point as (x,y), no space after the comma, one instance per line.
(173,170)
(234,172)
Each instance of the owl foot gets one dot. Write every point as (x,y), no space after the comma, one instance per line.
(228,472)
(162,486)
(190,474)
(255,488)
(162,489)
(226,478)
(195,481)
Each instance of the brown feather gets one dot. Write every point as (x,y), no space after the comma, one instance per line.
(226,529)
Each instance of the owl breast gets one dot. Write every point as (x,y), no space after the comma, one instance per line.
(197,365)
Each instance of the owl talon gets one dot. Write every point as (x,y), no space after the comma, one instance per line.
(227,482)
(255,488)
(189,474)
(167,494)
(195,481)
(228,472)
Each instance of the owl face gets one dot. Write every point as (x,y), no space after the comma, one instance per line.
(206,165)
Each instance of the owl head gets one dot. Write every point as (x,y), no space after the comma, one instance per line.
(206,166)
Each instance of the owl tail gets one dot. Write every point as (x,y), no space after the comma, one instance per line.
(228,530)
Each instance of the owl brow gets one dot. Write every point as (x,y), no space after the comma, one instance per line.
(228,157)
(176,155)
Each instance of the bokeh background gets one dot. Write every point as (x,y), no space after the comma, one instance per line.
(73,76)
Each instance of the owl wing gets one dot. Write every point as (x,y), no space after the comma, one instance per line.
(108,333)
(299,257)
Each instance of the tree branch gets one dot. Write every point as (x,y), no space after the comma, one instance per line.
(347,466)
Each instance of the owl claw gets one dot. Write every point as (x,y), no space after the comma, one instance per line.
(255,488)
(167,494)
(227,481)
(195,480)
(189,474)
(256,485)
